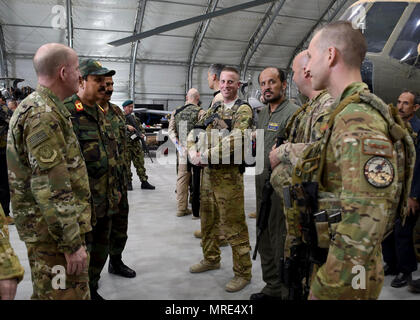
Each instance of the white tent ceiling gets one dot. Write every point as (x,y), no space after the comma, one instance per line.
(163,60)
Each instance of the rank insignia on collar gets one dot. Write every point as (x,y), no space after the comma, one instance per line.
(379,172)
(79,106)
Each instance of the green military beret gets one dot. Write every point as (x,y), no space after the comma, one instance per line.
(94,67)
(127,102)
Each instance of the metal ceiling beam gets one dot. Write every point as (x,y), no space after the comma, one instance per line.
(3,55)
(156,62)
(69,24)
(134,48)
(186,22)
(198,39)
(158,35)
(329,14)
(259,34)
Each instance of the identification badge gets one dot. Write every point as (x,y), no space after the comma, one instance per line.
(379,172)
(272,126)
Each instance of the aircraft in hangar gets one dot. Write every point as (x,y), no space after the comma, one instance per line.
(392,31)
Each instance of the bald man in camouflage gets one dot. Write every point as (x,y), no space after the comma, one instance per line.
(48,179)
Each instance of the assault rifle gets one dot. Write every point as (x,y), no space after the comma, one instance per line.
(296,270)
(132,122)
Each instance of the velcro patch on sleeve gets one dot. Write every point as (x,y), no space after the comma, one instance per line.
(47,154)
(377,147)
(36,138)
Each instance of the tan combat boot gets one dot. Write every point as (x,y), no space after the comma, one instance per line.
(203,266)
(10,220)
(197,234)
(252,215)
(183,213)
(236,284)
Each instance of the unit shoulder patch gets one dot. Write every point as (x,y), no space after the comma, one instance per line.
(379,172)
(47,154)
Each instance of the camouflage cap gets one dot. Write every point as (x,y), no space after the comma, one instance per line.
(94,67)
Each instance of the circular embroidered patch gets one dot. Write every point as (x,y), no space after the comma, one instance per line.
(379,172)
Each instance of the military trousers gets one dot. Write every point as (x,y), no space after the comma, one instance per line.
(4,184)
(398,248)
(195,192)
(135,154)
(98,245)
(272,240)
(416,239)
(119,226)
(222,200)
(182,184)
(49,280)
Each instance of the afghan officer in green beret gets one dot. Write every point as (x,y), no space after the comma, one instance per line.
(48,180)
(135,150)
(100,151)
(119,224)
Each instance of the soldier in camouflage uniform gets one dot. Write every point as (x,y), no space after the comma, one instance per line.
(48,179)
(11,272)
(358,175)
(272,121)
(304,128)
(183,120)
(223,198)
(5,115)
(119,223)
(100,151)
(135,150)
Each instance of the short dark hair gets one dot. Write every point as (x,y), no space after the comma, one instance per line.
(282,76)
(216,68)
(231,69)
(416,99)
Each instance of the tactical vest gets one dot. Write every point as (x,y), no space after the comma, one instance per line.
(188,113)
(312,166)
(223,120)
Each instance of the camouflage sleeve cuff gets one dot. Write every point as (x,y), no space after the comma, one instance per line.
(10,266)
(71,240)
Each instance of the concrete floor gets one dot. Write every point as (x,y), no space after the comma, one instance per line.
(161,247)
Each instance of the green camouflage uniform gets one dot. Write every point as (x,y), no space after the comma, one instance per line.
(222,192)
(305,127)
(136,154)
(100,151)
(119,225)
(10,267)
(271,241)
(364,174)
(190,114)
(49,191)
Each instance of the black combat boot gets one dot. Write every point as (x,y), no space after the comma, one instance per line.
(401,280)
(147,185)
(129,186)
(263,297)
(94,295)
(116,266)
